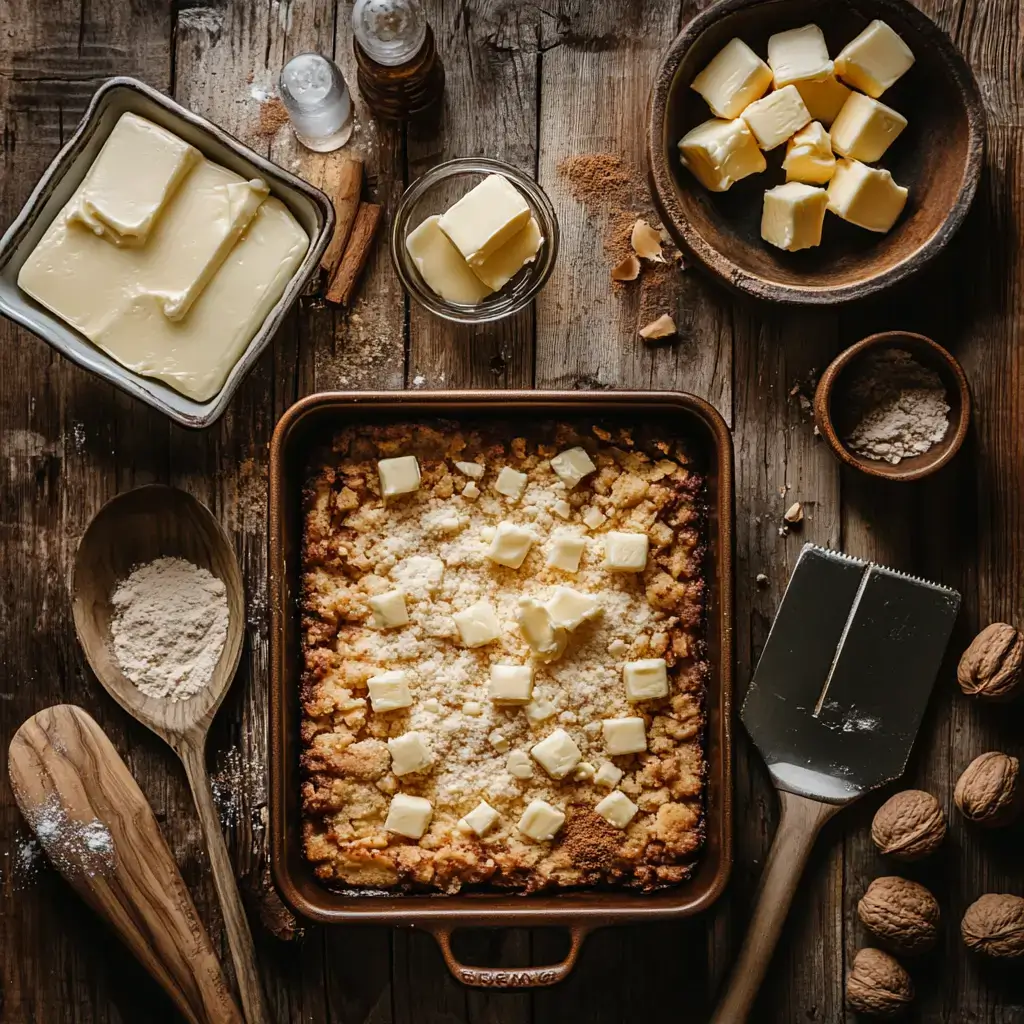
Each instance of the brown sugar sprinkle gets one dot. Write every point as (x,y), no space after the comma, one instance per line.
(590,841)
(273,117)
(659,285)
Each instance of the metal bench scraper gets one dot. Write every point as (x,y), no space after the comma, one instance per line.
(834,708)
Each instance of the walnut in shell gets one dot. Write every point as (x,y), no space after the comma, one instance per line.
(993,666)
(989,792)
(994,926)
(909,825)
(878,986)
(904,915)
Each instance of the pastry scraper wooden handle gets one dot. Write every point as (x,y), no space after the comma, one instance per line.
(799,825)
(63,768)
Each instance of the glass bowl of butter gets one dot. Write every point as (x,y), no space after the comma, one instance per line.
(474,240)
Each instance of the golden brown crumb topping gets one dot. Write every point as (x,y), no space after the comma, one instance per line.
(433,732)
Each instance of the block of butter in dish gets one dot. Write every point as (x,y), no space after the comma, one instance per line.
(478,244)
(166,260)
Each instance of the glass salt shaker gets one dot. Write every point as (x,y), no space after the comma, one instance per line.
(400,72)
(318,102)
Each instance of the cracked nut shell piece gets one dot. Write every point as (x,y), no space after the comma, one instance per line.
(989,792)
(992,668)
(903,914)
(878,986)
(909,825)
(994,926)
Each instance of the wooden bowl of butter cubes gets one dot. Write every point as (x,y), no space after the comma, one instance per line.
(814,151)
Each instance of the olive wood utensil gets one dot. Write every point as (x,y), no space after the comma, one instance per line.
(834,708)
(132,529)
(63,766)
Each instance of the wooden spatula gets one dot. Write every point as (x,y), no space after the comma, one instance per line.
(834,708)
(99,831)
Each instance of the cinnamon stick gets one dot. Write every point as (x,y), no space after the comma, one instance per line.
(343,183)
(357,251)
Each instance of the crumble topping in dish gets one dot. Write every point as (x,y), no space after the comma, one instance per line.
(504,659)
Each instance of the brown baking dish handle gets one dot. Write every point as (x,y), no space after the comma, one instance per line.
(509,977)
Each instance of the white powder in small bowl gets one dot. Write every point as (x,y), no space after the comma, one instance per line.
(169,627)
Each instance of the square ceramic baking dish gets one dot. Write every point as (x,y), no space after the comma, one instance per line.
(303,426)
(309,205)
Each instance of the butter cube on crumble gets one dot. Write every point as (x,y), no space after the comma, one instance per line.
(511,684)
(594,518)
(625,552)
(646,679)
(608,775)
(538,711)
(540,821)
(569,608)
(572,465)
(389,610)
(480,820)
(409,753)
(389,691)
(566,550)
(398,476)
(408,816)
(511,483)
(617,809)
(478,624)
(510,545)
(624,735)
(557,754)
(471,469)
(546,640)
(519,765)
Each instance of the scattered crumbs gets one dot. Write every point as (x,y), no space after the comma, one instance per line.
(863,723)
(658,292)
(248,512)
(74,847)
(273,117)
(240,782)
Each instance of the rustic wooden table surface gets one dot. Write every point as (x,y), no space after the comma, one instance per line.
(531,83)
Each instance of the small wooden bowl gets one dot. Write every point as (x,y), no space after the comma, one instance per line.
(930,355)
(938,156)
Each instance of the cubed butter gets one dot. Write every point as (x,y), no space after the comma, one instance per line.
(732,81)
(539,711)
(502,265)
(557,754)
(481,819)
(617,809)
(624,735)
(625,552)
(776,117)
(823,99)
(865,128)
(798,55)
(511,684)
(566,551)
(485,218)
(646,679)
(608,775)
(569,608)
(572,465)
(389,691)
(131,180)
(594,518)
(540,821)
(400,475)
(546,640)
(389,610)
(471,491)
(875,60)
(409,753)
(865,196)
(792,215)
(471,469)
(408,816)
(442,266)
(562,508)
(809,157)
(478,624)
(510,545)
(720,153)
(511,483)
(583,772)
(498,740)
(519,764)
